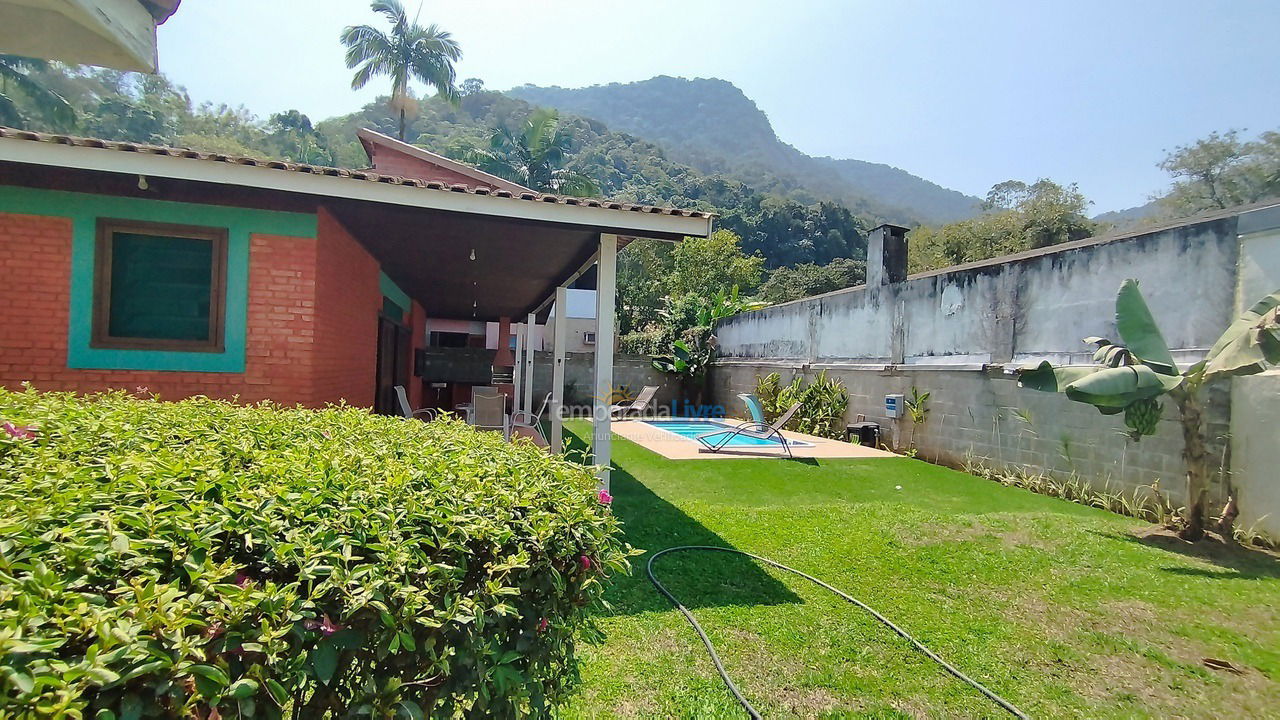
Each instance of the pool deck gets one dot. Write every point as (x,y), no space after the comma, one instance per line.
(674,447)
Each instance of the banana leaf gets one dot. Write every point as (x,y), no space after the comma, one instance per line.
(1119,387)
(1249,345)
(1047,378)
(1139,331)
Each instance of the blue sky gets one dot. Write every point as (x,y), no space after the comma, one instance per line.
(965,94)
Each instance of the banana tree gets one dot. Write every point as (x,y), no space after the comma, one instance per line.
(1131,378)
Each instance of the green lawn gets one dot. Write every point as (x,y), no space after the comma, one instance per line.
(1060,608)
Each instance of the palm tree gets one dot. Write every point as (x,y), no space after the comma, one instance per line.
(16,85)
(534,156)
(409,52)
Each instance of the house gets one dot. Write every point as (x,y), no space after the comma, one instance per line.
(579,321)
(187,273)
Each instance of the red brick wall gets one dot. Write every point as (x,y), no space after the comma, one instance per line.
(348,299)
(312,319)
(418,326)
(35,272)
(390,162)
(281,321)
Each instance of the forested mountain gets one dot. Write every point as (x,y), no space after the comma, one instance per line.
(711,125)
(122,106)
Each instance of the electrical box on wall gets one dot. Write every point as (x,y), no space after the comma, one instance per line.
(893,405)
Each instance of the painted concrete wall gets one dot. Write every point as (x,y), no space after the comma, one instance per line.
(959,334)
(630,372)
(1255,401)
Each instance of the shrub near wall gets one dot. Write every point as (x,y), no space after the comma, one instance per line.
(202,559)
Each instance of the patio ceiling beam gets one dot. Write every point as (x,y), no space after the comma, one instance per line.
(648,224)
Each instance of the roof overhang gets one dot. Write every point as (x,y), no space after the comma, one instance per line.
(118,34)
(626,222)
(461,255)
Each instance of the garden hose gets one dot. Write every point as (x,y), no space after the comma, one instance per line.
(715,658)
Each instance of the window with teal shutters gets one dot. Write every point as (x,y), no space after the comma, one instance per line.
(159,286)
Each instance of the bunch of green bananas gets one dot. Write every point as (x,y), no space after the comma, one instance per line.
(1141,416)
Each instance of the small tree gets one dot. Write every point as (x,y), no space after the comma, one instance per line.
(918,411)
(691,354)
(1131,378)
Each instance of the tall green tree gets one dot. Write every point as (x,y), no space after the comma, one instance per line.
(19,92)
(534,154)
(807,279)
(1018,216)
(1221,171)
(408,52)
(708,265)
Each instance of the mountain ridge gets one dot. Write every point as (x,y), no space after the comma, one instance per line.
(726,132)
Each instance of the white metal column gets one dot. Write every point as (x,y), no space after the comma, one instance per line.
(528,362)
(557,370)
(606,286)
(517,373)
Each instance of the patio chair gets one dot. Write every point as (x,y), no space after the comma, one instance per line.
(489,412)
(523,419)
(716,441)
(476,391)
(635,407)
(402,402)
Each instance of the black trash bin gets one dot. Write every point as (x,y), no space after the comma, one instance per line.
(864,433)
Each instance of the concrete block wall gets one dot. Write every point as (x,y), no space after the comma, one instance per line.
(984,416)
(960,333)
(632,372)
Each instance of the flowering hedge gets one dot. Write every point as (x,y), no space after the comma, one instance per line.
(203,559)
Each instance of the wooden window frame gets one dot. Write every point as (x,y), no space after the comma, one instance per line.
(101,336)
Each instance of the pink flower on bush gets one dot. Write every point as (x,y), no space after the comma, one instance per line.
(243,579)
(329,627)
(143,390)
(19,432)
(542,625)
(586,562)
(326,626)
(605,497)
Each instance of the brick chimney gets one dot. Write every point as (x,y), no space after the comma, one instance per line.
(886,255)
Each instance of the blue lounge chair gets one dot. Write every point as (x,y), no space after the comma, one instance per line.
(753,406)
(716,441)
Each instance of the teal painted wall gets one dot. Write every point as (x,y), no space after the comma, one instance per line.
(84,209)
(392,292)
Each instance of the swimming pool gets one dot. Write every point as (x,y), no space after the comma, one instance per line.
(691,429)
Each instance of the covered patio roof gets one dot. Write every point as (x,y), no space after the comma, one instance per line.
(119,34)
(462,252)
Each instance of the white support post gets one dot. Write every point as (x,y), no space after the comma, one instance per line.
(528,362)
(606,286)
(517,373)
(557,371)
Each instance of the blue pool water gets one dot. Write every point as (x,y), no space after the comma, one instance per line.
(691,429)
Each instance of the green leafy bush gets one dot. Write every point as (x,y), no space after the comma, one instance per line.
(824,403)
(203,559)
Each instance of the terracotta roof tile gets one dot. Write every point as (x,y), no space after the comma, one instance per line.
(359,175)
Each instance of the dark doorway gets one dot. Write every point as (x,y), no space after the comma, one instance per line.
(394,340)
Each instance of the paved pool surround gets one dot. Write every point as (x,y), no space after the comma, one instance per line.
(674,447)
